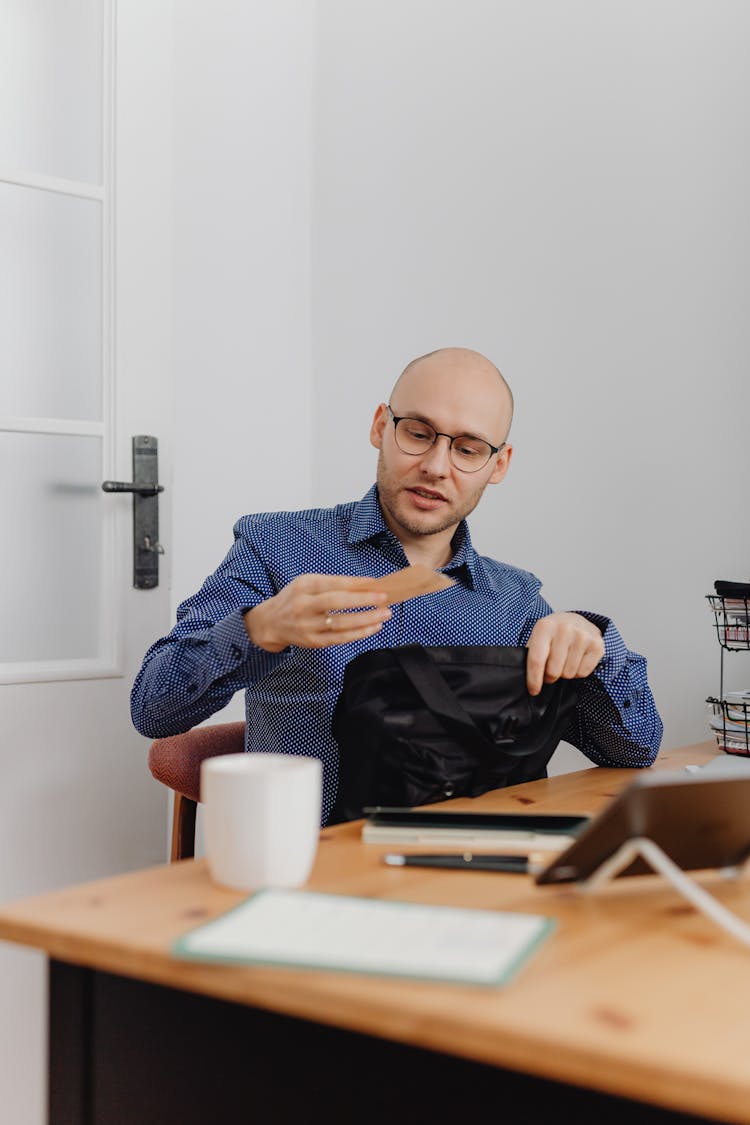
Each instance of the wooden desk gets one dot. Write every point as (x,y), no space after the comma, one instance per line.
(637,1009)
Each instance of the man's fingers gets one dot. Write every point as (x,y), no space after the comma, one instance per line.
(559,651)
(326,583)
(341,634)
(324,593)
(574,659)
(536,660)
(347,599)
(351,622)
(571,658)
(590,659)
(559,648)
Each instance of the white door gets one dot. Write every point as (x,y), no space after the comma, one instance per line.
(85,363)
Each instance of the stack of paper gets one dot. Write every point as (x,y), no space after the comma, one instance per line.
(732,617)
(729,718)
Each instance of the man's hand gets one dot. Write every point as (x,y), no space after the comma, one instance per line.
(306,613)
(562,646)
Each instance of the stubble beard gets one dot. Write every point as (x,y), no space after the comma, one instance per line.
(388,494)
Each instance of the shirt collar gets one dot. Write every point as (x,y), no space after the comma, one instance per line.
(367,519)
(367,524)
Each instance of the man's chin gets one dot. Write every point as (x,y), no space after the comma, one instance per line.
(426,523)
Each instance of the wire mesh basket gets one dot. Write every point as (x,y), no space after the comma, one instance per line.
(731,621)
(729,719)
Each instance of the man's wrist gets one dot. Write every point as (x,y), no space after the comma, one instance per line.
(256,625)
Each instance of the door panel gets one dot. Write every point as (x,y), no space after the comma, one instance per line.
(51,70)
(85,364)
(50,275)
(56,567)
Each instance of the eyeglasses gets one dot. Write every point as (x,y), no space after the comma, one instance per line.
(469,454)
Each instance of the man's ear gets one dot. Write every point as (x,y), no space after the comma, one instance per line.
(501,468)
(379,423)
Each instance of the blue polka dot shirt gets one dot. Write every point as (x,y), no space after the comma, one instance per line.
(290,696)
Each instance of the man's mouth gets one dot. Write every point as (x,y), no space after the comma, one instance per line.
(428,493)
(426,497)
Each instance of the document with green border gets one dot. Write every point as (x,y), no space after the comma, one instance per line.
(304,929)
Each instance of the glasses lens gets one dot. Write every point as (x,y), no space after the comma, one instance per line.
(469,453)
(413,436)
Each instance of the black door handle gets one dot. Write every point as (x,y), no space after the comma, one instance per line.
(129,486)
(145,491)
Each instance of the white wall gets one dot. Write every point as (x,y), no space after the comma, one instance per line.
(563,187)
(243,159)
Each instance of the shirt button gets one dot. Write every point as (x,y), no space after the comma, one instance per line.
(626,702)
(236,651)
(448,791)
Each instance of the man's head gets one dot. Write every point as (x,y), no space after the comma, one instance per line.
(457,392)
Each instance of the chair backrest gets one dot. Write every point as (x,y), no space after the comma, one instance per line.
(176,762)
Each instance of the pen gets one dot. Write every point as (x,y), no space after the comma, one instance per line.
(466,861)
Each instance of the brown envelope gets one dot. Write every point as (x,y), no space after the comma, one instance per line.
(411,582)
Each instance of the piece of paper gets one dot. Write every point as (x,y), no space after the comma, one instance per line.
(411,582)
(303,929)
(726,764)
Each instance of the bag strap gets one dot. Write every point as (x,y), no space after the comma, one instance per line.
(439,698)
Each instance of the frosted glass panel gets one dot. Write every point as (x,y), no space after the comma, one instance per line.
(50,87)
(50,304)
(51,555)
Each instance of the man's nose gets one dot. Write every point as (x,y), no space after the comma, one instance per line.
(437,460)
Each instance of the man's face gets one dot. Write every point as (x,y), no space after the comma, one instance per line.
(427,494)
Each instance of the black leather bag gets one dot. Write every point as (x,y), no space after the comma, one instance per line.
(417,724)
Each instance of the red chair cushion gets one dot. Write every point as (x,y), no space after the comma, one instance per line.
(176,761)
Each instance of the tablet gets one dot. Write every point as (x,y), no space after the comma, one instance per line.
(699,821)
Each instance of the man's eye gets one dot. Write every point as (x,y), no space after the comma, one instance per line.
(419,433)
(468,449)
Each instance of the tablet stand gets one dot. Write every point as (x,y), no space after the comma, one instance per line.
(683,884)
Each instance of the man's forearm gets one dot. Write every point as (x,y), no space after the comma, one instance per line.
(185,679)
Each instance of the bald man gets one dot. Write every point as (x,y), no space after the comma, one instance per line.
(270,620)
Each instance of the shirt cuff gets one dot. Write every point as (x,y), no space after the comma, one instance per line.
(234,648)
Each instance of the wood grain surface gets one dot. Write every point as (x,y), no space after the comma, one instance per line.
(635,994)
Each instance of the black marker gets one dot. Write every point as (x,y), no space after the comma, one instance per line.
(467,861)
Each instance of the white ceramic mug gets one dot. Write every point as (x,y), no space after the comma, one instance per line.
(261,818)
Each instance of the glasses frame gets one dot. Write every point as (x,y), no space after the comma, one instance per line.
(493,449)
